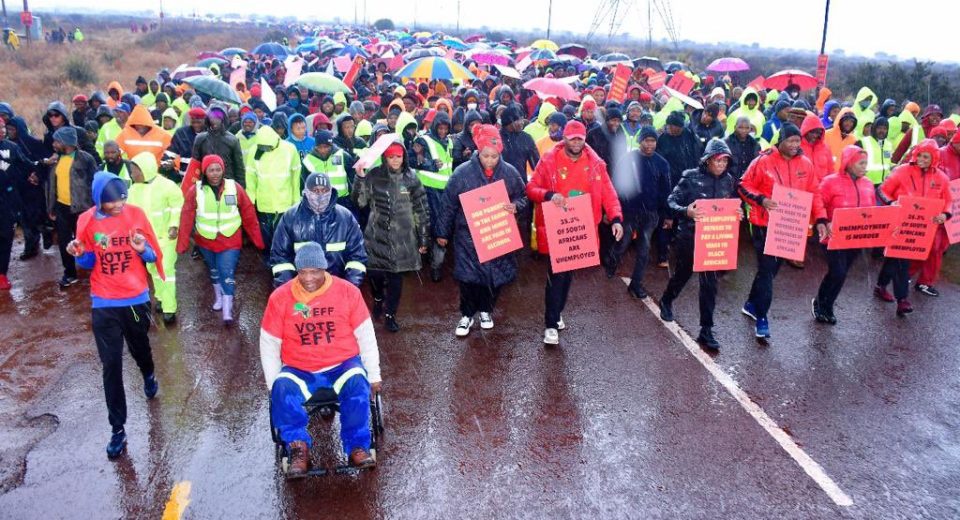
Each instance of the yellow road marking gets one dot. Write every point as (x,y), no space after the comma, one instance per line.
(179,499)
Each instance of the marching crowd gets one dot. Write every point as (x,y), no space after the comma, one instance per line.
(126,182)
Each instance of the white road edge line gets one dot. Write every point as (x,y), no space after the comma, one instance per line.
(810,466)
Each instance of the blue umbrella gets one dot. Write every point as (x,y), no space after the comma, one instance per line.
(352,51)
(456,44)
(271,49)
(307,47)
(543,55)
(230,51)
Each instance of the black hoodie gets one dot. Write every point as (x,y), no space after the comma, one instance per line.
(83,143)
(463,145)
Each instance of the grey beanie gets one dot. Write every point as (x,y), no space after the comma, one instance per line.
(66,135)
(310,256)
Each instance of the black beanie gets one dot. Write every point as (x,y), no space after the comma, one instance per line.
(676,118)
(788,130)
(614,113)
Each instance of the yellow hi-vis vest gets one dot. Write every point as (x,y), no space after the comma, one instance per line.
(334,167)
(217,216)
(438,152)
(878,158)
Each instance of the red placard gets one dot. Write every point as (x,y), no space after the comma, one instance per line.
(494,231)
(857,228)
(914,236)
(571,234)
(354,71)
(618,87)
(822,61)
(717,235)
(657,81)
(953,225)
(26,18)
(757,83)
(787,228)
(681,83)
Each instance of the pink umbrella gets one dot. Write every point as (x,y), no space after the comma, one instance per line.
(210,54)
(547,87)
(728,65)
(785,78)
(490,58)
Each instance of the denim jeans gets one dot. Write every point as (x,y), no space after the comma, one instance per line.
(222,266)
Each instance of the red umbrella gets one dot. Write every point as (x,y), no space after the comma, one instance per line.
(785,78)
(210,54)
(574,49)
(547,87)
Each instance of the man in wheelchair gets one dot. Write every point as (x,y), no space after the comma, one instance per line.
(317,333)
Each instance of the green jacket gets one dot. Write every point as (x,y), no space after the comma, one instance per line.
(159,197)
(538,129)
(273,177)
(755,116)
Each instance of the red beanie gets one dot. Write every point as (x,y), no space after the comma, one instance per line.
(255,90)
(394,150)
(487,136)
(588,105)
(646,97)
(211,159)
(79,98)
(197,112)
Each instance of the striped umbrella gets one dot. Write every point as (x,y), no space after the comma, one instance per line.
(434,68)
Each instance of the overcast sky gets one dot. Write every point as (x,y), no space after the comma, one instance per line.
(858,26)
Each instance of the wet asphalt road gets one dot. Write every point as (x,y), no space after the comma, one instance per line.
(619,422)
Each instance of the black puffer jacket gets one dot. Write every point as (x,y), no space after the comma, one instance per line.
(742,153)
(335,229)
(682,152)
(463,145)
(399,222)
(696,184)
(453,223)
(227,146)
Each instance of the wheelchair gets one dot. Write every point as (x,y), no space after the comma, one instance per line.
(326,404)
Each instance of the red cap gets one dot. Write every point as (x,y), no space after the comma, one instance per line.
(211,159)
(588,105)
(197,112)
(255,90)
(394,150)
(79,98)
(574,130)
(646,97)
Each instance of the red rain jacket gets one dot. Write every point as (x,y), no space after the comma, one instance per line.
(772,168)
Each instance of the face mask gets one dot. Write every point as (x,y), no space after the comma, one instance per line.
(294,102)
(317,202)
(471,106)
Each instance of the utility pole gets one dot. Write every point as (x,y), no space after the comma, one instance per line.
(458,16)
(4,2)
(649,26)
(826,17)
(549,17)
(26,8)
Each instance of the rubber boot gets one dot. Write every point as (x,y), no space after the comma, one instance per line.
(217,297)
(227,310)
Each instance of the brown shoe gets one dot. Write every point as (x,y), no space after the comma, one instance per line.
(299,459)
(361,458)
(795,264)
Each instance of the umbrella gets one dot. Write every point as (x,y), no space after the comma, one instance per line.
(473,38)
(210,54)
(307,47)
(322,82)
(424,53)
(330,47)
(781,80)
(230,51)
(548,87)
(422,34)
(648,62)
(183,72)
(434,68)
(673,66)
(214,88)
(271,49)
(490,58)
(728,65)
(545,44)
(206,62)
(353,51)
(573,49)
(542,55)
(456,44)
(613,58)
(685,98)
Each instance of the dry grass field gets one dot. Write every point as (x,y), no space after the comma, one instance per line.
(42,72)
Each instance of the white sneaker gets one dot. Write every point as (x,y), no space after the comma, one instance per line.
(463,326)
(560,324)
(551,337)
(486,321)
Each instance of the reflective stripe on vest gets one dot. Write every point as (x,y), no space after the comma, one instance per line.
(632,142)
(334,167)
(444,154)
(217,216)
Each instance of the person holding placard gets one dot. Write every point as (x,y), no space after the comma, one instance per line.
(569,169)
(784,165)
(919,177)
(710,180)
(480,283)
(849,188)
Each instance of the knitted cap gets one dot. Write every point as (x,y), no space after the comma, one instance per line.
(310,256)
